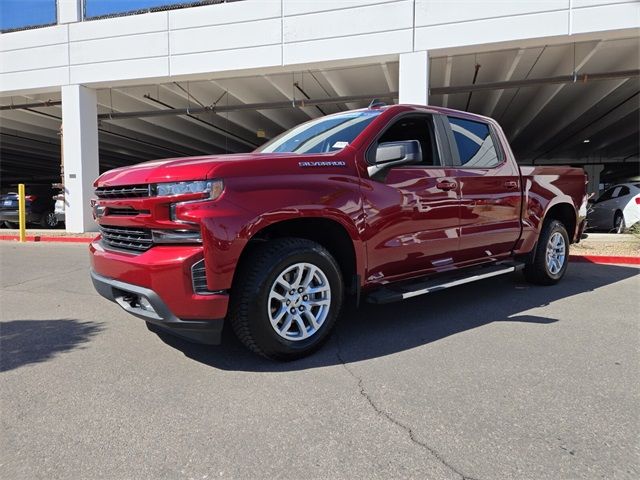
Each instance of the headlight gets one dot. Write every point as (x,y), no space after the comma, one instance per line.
(176,236)
(213,188)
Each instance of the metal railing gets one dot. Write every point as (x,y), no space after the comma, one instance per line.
(18,15)
(22,15)
(97,9)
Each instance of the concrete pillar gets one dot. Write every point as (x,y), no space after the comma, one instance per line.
(593,174)
(80,149)
(414,78)
(69,11)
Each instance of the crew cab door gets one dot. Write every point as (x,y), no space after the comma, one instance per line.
(411,210)
(490,191)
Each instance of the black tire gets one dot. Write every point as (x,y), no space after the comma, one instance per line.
(11,225)
(619,225)
(250,303)
(49,220)
(538,270)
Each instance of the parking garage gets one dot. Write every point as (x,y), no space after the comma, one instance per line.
(560,101)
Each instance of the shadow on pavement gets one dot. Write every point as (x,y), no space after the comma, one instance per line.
(23,342)
(377,330)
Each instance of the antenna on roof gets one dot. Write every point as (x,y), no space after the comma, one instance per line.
(376,103)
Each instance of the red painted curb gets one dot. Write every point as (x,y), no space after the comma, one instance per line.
(47,238)
(605,259)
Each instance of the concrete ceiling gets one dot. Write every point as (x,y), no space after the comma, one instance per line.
(568,122)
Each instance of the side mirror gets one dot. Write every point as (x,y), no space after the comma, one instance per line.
(391,154)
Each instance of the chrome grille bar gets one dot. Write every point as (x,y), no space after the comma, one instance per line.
(126,191)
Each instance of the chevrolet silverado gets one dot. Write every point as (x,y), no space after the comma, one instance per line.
(383,203)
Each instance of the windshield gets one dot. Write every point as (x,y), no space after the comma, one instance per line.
(326,134)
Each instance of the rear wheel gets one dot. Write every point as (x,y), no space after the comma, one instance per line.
(286,299)
(49,220)
(619,225)
(551,256)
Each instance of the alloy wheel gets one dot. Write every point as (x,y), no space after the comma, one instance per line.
(299,301)
(556,253)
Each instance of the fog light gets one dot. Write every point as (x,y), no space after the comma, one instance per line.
(145,305)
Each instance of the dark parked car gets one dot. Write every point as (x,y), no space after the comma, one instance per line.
(40,207)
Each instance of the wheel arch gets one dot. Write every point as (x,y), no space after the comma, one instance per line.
(328,232)
(565,213)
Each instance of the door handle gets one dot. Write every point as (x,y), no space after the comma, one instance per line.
(511,185)
(446,185)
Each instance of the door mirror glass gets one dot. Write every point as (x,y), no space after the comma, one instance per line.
(390,154)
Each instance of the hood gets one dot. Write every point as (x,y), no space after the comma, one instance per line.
(175,169)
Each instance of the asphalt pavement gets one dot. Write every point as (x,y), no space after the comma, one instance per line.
(493,380)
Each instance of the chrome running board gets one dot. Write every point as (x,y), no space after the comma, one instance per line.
(403,290)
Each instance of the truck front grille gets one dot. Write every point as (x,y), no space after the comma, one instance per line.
(127,238)
(126,191)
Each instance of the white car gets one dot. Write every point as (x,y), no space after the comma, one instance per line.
(617,209)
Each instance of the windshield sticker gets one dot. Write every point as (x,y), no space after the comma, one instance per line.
(322,164)
(340,144)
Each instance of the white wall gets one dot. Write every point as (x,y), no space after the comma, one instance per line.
(255,34)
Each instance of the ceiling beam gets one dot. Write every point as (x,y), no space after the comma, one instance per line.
(231,108)
(447,80)
(599,118)
(310,112)
(198,130)
(534,82)
(245,96)
(338,86)
(392,84)
(199,93)
(542,99)
(585,100)
(497,94)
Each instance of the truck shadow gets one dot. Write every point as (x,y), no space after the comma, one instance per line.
(374,331)
(24,342)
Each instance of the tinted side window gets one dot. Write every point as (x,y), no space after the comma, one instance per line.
(418,128)
(606,195)
(475,144)
(624,191)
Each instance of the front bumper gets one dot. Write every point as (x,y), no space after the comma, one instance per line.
(146,304)
(162,276)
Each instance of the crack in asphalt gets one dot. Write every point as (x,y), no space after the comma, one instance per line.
(393,420)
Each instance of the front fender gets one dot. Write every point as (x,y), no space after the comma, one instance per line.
(248,206)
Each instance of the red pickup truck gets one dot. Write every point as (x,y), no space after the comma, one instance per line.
(384,203)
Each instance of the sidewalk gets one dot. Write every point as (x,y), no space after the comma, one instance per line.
(608,244)
(42,235)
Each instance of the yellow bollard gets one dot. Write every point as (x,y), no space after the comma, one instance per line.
(22,214)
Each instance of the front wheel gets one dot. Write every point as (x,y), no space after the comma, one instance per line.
(286,299)
(551,256)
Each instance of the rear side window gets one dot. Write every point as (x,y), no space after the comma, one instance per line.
(624,191)
(606,195)
(475,143)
